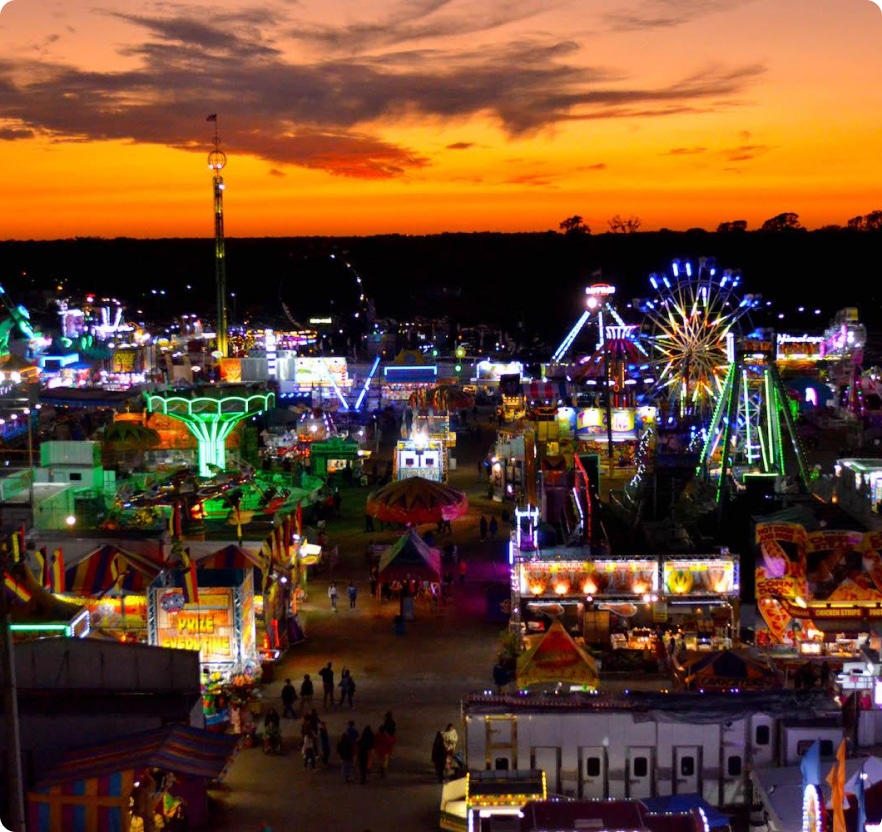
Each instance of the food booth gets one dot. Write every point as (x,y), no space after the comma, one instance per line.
(819,592)
(623,601)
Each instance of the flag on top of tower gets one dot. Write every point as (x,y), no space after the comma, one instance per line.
(212,117)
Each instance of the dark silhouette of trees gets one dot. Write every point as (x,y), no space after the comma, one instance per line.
(573,226)
(787,221)
(870,222)
(624,226)
(732,227)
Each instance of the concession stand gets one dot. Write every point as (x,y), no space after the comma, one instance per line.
(819,592)
(624,600)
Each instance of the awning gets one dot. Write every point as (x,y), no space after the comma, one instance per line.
(181,749)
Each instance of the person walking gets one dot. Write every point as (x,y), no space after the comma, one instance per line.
(332,594)
(482,528)
(463,568)
(450,738)
(307,692)
(309,750)
(347,688)
(327,677)
(352,592)
(324,743)
(439,756)
(384,745)
(364,751)
(346,753)
(289,697)
(389,724)
(493,527)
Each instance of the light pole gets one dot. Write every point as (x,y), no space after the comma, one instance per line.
(15,786)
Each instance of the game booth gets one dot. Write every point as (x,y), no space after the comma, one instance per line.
(819,592)
(623,601)
(135,783)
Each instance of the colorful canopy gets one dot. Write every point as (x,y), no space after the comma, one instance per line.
(728,669)
(410,555)
(110,568)
(416,500)
(556,658)
(233,557)
(180,749)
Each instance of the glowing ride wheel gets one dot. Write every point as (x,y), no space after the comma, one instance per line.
(691,320)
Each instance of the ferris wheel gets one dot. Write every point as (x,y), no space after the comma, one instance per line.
(692,321)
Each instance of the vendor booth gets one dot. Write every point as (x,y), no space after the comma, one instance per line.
(623,600)
(91,790)
(112,582)
(555,662)
(409,563)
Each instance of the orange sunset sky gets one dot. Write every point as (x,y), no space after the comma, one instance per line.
(346,117)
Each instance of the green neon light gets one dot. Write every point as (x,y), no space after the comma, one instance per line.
(210,419)
(36,628)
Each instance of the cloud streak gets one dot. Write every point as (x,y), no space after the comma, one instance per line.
(328,111)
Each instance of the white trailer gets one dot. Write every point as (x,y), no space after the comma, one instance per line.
(647,745)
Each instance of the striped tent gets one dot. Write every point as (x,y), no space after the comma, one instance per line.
(110,568)
(233,557)
(89,789)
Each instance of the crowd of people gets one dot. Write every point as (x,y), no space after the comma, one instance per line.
(360,752)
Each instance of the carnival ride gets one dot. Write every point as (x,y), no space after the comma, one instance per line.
(692,319)
(745,436)
(18,319)
(210,414)
(597,304)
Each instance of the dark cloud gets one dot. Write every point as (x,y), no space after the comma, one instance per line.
(746,152)
(685,151)
(460,146)
(531,179)
(323,112)
(664,14)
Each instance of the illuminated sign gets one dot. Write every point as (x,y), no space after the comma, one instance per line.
(271,347)
(600,289)
(313,371)
(619,333)
(206,626)
(690,577)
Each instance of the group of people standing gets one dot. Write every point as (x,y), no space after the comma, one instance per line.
(359,750)
(307,692)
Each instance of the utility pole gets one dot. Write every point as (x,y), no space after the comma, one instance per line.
(14,784)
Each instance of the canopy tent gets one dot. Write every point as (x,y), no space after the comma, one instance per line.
(110,567)
(90,788)
(728,669)
(556,659)
(410,555)
(233,557)
(871,770)
(416,500)
(683,803)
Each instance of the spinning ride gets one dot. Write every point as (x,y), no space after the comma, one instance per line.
(745,437)
(692,318)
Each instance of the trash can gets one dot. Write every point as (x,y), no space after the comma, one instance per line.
(400,625)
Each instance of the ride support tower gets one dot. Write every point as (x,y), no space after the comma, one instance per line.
(217,160)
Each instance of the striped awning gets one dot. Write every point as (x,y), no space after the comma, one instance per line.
(233,557)
(110,568)
(180,749)
(542,391)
